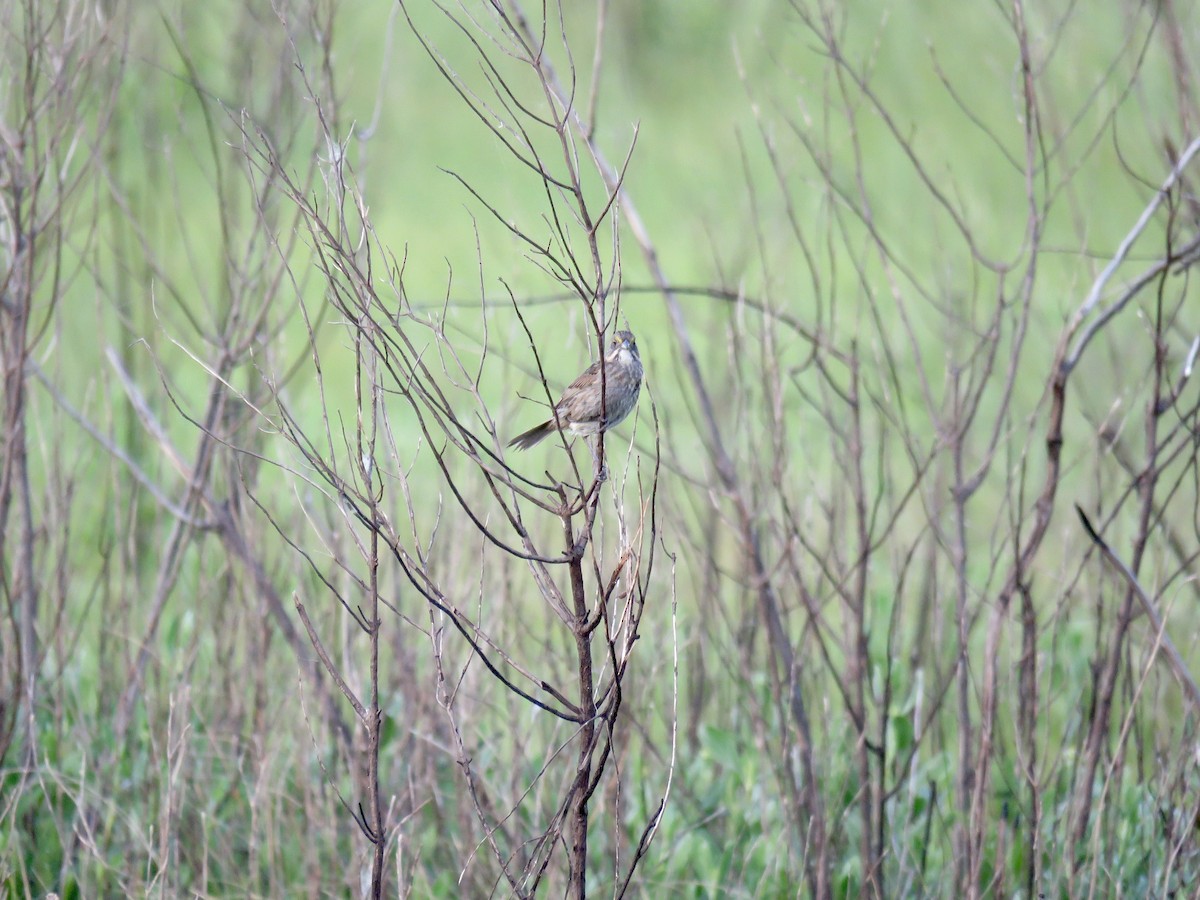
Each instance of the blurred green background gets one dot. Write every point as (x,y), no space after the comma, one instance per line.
(880,199)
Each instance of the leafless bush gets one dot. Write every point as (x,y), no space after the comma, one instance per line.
(939,485)
(917,453)
(422,415)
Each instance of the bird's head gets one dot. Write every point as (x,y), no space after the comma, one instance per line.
(622,344)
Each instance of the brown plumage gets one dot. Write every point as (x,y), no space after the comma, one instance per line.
(578,410)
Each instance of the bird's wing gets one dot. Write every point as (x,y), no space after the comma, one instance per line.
(586,377)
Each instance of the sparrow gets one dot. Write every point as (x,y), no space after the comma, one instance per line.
(580,410)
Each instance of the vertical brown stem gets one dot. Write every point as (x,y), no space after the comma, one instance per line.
(964,848)
(18,577)
(577,805)
(1028,711)
(861,665)
(375,720)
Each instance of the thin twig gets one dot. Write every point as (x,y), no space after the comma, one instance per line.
(1174,660)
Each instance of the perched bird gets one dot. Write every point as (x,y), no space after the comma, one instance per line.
(579,409)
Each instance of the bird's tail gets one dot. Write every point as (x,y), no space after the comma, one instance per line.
(527,439)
